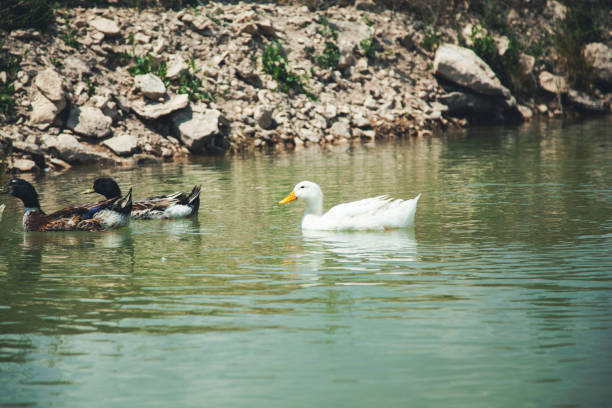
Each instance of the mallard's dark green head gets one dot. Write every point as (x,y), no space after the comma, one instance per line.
(107,187)
(24,191)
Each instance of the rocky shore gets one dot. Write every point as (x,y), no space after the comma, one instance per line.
(125,86)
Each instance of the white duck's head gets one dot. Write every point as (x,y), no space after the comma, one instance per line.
(309,192)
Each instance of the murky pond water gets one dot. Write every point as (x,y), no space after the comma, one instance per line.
(500,296)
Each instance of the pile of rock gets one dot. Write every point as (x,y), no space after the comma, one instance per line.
(82,105)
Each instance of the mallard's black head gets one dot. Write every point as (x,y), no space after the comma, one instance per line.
(107,187)
(24,191)
(123,205)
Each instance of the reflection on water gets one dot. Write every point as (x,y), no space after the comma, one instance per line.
(500,296)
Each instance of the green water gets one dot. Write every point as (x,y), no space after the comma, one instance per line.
(501,296)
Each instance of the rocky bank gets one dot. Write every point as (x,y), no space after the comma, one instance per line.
(123,86)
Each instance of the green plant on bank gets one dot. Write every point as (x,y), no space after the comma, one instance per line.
(580,26)
(145,65)
(431,41)
(6,149)
(190,84)
(70,36)
(370,47)
(367,21)
(330,56)
(275,64)
(10,65)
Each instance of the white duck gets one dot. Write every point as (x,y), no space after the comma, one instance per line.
(376,213)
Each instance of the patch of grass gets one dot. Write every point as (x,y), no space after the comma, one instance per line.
(71,35)
(190,84)
(330,55)
(431,41)
(145,65)
(10,65)
(275,64)
(371,47)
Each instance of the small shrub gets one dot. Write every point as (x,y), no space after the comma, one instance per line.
(11,65)
(146,65)
(431,41)
(190,84)
(71,35)
(370,47)
(275,64)
(330,55)
(580,26)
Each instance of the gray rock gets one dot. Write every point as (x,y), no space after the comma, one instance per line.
(122,145)
(76,66)
(311,135)
(526,112)
(585,101)
(68,148)
(24,165)
(600,57)
(105,26)
(89,121)
(341,129)
(50,84)
(552,83)
(361,122)
(176,66)
(156,110)
(463,67)
(150,86)
(263,116)
(198,130)
(527,63)
(464,102)
(43,111)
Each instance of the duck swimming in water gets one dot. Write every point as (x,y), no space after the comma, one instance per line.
(107,214)
(177,205)
(376,213)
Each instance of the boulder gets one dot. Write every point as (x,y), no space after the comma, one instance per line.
(341,129)
(463,67)
(43,111)
(554,84)
(105,26)
(150,86)
(176,66)
(76,66)
(123,145)
(467,102)
(584,101)
(600,57)
(153,111)
(198,130)
(89,121)
(23,165)
(68,148)
(51,85)
(263,117)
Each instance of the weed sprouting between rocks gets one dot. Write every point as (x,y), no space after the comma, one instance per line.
(10,65)
(275,64)
(330,55)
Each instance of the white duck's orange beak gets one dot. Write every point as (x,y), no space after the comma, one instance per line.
(289,198)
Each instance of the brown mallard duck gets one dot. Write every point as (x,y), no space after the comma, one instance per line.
(103,215)
(177,205)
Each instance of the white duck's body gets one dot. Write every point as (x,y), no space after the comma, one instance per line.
(376,213)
